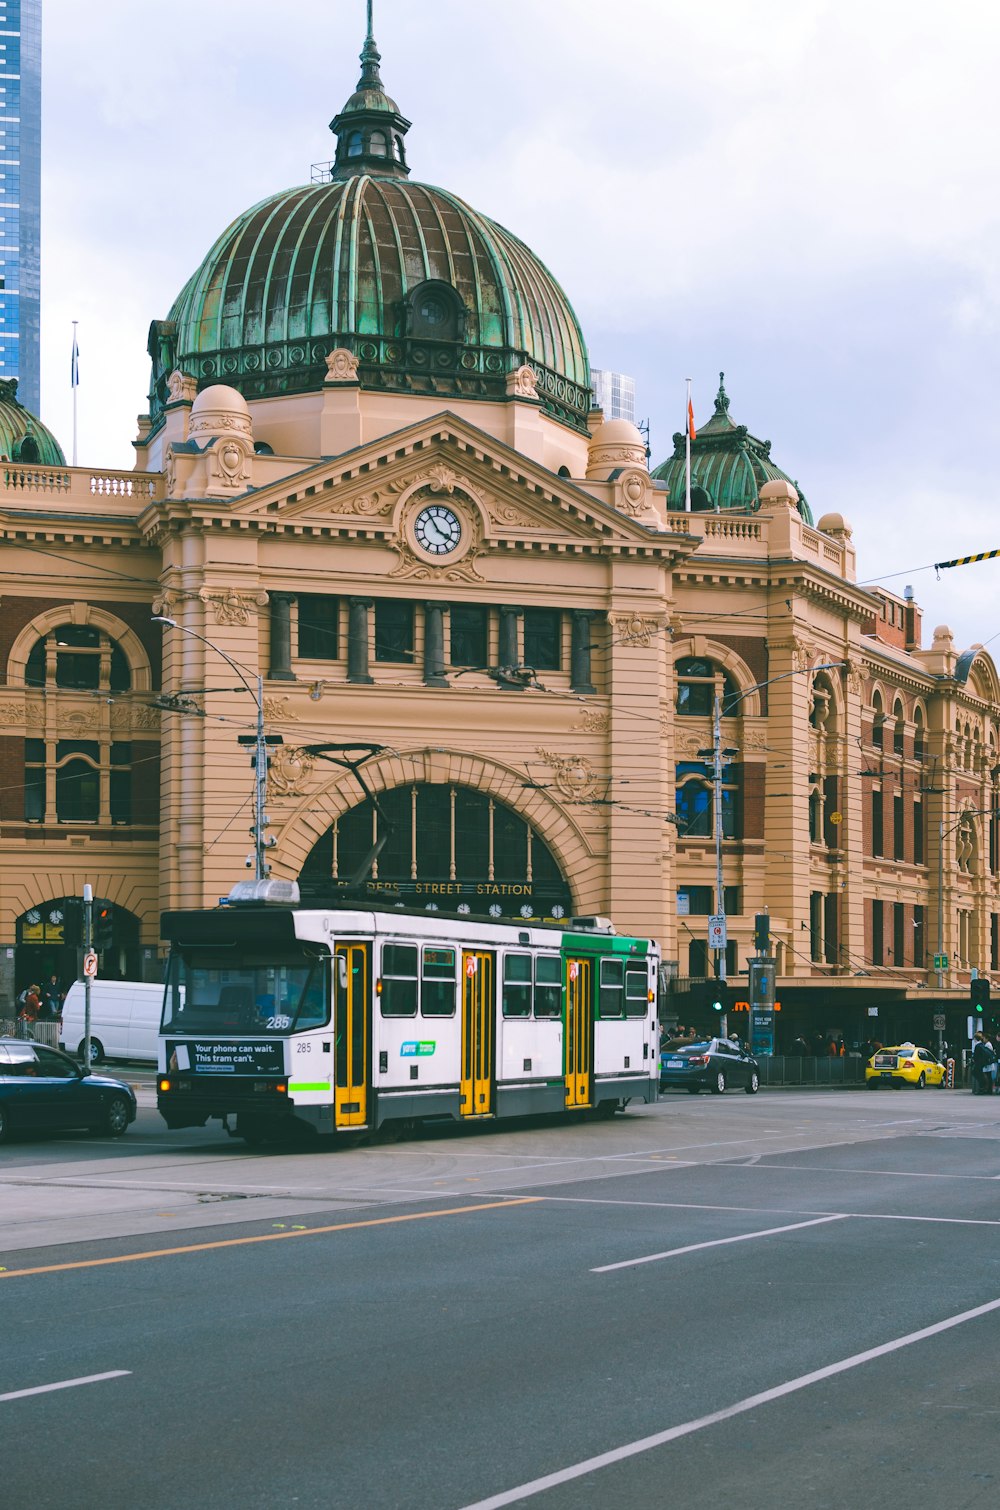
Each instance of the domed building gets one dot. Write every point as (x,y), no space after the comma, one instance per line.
(729,466)
(376,521)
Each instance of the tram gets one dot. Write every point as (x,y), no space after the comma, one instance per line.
(346,1018)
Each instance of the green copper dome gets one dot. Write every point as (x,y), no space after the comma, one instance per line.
(23,438)
(429,295)
(729,466)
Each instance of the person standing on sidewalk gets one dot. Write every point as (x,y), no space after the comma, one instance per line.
(983,1060)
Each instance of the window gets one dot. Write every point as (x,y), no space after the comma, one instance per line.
(898,926)
(394,630)
(878,933)
(636,993)
(919,738)
(878,842)
(548,985)
(543,639)
(469,635)
(318,625)
(517,985)
(34,780)
(78,781)
(354,144)
(612,990)
(878,722)
(919,936)
(694,801)
(120,787)
(815,817)
(697,683)
(399,980)
(898,729)
(918,833)
(377,144)
(437,983)
(78,658)
(897,826)
(699,901)
(816,926)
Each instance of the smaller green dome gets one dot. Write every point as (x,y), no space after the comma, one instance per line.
(729,466)
(23,438)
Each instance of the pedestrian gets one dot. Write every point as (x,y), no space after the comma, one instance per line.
(983,1059)
(52,1000)
(29,1006)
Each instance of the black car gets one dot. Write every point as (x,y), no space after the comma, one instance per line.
(42,1090)
(710,1064)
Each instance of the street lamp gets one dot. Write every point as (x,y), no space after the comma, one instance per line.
(259,741)
(718,923)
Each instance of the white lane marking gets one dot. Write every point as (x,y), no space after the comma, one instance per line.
(892,1174)
(718,1242)
(46,1389)
(752,1402)
(861,1216)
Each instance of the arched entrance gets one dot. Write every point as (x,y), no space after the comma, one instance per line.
(49,941)
(446,846)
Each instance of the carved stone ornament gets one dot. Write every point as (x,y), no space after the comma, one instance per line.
(633,628)
(170,472)
(229,465)
(361,503)
(134,716)
(341,366)
(12,713)
(232,607)
(635,489)
(522,383)
(182,387)
(573,775)
(594,721)
(857,678)
(280,710)
(288,772)
(220,422)
(164,603)
(415,567)
(688,743)
(502,513)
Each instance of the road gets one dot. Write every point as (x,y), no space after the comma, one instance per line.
(789,1299)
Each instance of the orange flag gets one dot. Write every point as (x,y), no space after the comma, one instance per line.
(691,429)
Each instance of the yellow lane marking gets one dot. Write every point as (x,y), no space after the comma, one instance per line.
(268,1237)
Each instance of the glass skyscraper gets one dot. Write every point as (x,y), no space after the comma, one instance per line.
(20,194)
(614,393)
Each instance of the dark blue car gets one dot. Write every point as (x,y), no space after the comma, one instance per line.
(42,1090)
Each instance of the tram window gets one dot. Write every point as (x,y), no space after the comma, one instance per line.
(437,984)
(548,985)
(612,972)
(636,993)
(517,985)
(399,980)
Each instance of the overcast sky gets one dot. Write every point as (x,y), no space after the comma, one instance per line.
(799,192)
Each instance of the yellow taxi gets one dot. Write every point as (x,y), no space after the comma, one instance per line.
(904,1065)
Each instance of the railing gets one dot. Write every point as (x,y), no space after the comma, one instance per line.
(35,1032)
(79,483)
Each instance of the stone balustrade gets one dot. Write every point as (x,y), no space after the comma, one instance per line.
(79,485)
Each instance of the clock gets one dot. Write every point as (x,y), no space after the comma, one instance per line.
(438,529)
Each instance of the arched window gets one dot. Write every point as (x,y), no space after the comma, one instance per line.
(878,721)
(697,683)
(78,658)
(919,734)
(355,144)
(443,847)
(898,727)
(816,815)
(694,801)
(377,144)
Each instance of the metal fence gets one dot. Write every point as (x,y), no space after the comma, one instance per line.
(795,1069)
(37,1032)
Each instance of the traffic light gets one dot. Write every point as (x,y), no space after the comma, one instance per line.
(979,993)
(718,998)
(104,925)
(72,910)
(762,932)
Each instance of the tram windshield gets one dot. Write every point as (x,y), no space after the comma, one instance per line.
(218,991)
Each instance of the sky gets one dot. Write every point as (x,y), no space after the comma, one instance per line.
(803,194)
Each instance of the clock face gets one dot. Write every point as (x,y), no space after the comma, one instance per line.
(437,529)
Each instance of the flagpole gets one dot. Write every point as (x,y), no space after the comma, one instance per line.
(75,379)
(687,450)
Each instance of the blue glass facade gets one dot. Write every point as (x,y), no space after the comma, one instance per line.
(20,194)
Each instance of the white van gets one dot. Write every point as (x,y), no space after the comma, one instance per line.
(124,1020)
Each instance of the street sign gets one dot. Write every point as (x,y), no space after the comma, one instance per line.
(940,962)
(717,932)
(939,1022)
(90,964)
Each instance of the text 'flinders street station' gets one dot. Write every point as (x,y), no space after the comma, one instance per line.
(371,475)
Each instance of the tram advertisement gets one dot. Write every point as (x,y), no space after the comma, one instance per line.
(245,1058)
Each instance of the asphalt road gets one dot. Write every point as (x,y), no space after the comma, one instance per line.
(791,1299)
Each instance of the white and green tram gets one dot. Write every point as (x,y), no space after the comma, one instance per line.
(278,1016)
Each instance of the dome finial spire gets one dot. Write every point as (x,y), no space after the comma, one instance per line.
(722,397)
(370,128)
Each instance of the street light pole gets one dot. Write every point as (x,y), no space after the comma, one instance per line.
(259,741)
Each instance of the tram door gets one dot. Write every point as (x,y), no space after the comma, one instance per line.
(579,1032)
(351,966)
(478,1018)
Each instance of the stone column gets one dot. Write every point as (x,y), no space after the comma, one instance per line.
(580,620)
(434,646)
(280,669)
(357,641)
(510,656)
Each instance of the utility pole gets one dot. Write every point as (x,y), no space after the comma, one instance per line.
(88,944)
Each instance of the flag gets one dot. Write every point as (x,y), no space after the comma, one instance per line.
(692,432)
(74,373)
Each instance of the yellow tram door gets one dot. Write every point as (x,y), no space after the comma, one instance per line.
(579,1048)
(351,970)
(478,1017)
